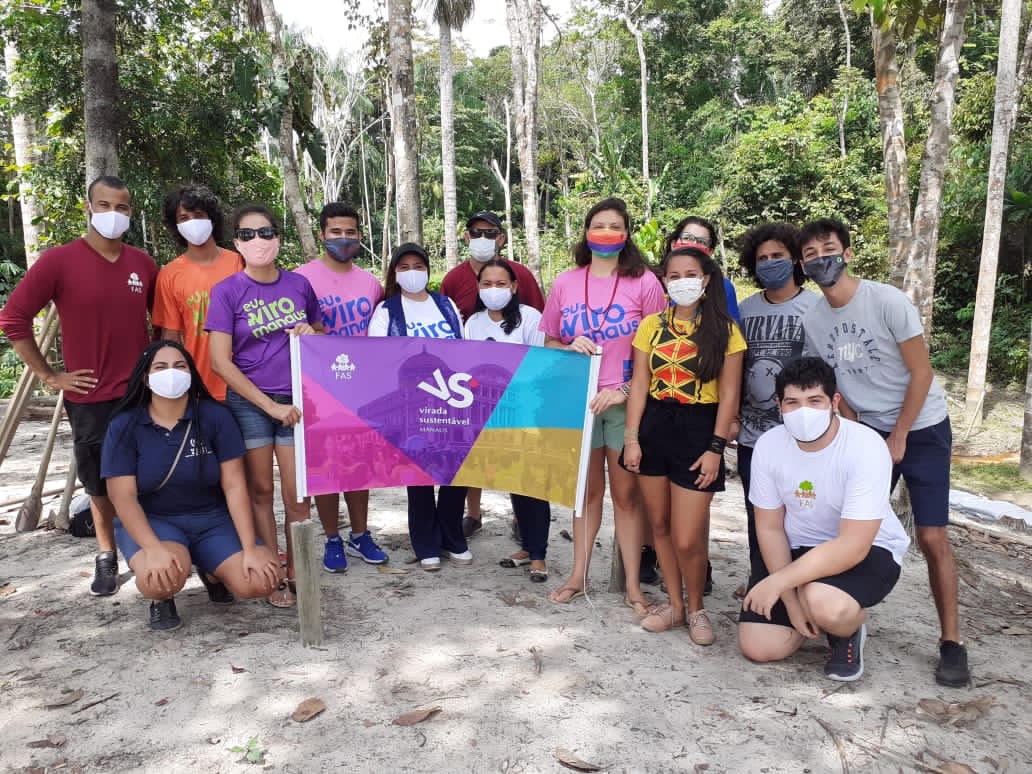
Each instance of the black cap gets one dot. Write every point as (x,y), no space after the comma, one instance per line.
(409,248)
(489,217)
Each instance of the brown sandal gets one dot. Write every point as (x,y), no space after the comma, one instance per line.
(282,597)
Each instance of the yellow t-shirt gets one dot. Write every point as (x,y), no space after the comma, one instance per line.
(181,304)
(673,358)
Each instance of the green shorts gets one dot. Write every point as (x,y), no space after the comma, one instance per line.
(609,428)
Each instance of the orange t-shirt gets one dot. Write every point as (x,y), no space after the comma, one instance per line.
(181,304)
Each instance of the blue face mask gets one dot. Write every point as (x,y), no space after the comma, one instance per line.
(826,269)
(774,274)
(342,249)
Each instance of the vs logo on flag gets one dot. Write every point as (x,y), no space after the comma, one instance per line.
(454,392)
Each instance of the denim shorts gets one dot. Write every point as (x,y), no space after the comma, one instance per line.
(211,539)
(257,427)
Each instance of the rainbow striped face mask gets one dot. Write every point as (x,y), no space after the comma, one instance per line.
(606,244)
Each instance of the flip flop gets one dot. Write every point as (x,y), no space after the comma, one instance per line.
(574,593)
(282,597)
(512,561)
(641,609)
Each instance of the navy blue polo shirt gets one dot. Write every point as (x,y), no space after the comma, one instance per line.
(136,446)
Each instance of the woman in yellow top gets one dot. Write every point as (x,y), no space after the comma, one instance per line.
(683,398)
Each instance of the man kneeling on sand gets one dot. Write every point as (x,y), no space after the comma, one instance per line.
(831,544)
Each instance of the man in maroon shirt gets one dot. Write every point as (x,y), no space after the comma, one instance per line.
(103,290)
(485,238)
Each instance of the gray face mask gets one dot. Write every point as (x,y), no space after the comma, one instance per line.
(826,269)
(774,274)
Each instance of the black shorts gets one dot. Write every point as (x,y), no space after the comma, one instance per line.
(868,583)
(673,436)
(89,423)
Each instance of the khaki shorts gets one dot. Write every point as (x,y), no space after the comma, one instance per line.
(609,428)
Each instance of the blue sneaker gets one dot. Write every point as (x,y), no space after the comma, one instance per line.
(364,547)
(334,559)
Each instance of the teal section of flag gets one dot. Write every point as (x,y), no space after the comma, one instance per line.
(547,391)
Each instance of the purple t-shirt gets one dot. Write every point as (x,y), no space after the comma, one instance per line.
(346,299)
(258,315)
(618,304)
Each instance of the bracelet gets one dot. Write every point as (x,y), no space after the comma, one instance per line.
(625,388)
(717,444)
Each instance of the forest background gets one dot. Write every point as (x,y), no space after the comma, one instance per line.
(738,110)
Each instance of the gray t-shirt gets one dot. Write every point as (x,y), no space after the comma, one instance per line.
(774,333)
(861,341)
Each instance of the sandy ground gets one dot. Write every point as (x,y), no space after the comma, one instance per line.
(516,677)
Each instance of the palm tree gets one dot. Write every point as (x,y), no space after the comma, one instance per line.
(449,15)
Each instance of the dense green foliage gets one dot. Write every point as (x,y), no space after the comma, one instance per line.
(745,105)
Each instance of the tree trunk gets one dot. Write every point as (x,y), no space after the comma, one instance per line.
(524,20)
(643,74)
(403,121)
(100,88)
(451,217)
(388,199)
(1026,428)
(1003,123)
(845,91)
(503,180)
(285,138)
(919,282)
(26,155)
(894,150)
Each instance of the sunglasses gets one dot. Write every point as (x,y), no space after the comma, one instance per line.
(490,233)
(265,232)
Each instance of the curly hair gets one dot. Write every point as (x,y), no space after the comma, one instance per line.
(785,233)
(193,198)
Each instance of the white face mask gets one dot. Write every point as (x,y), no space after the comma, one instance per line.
(807,424)
(482,248)
(110,224)
(196,231)
(495,299)
(413,280)
(685,291)
(170,383)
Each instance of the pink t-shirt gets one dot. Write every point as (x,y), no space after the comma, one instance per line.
(346,299)
(611,325)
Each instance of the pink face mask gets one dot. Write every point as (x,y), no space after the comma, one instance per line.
(259,252)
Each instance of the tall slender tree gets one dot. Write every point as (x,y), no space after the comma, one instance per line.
(403,121)
(100,87)
(1003,124)
(449,15)
(524,21)
(628,13)
(26,154)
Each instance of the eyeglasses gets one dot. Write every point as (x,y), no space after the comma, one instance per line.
(684,236)
(265,232)
(490,233)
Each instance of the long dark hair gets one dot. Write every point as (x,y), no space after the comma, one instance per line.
(713,323)
(138,395)
(511,316)
(630,263)
(689,221)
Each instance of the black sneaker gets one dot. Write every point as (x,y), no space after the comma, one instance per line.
(847,656)
(648,572)
(163,616)
(708,588)
(953,665)
(217,591)
(105,575)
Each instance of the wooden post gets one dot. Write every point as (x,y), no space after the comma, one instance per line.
(63,519)
(29,513)
(306,569)
(617,578)
(27,380)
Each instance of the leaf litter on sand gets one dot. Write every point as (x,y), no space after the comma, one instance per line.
(308,709)
(52,740)
(416,716)
(66,698)
(959,714)
(569,760)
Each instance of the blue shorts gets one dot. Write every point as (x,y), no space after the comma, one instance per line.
(926,469)
(211,539)
(257,427)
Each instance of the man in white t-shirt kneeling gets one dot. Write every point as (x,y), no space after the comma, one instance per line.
(831,543)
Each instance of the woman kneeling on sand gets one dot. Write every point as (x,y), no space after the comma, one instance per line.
(174,463)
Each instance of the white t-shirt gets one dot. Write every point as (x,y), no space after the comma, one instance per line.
(848,479)
(422,319)
(480,327)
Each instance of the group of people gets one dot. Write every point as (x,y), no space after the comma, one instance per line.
(828,396)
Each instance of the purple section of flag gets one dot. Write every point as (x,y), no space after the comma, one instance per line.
(431,406)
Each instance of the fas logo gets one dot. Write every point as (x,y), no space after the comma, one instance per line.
(455,391)
(134,283)
(342,367)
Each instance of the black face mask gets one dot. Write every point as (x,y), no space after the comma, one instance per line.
(826,269)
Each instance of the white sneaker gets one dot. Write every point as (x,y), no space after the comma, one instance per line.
(466,557)
(433,564)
